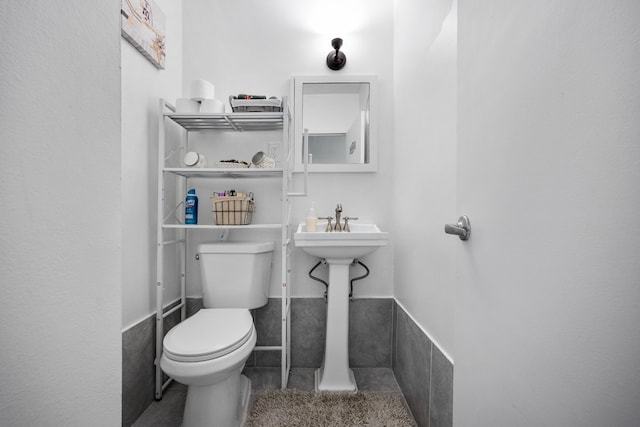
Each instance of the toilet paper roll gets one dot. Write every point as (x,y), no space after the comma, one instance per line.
(202,89)
(212,106)
(187,105)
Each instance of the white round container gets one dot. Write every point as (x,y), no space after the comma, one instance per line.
(261,160)
(195,160)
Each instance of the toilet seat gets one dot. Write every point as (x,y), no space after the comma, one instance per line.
(208,334)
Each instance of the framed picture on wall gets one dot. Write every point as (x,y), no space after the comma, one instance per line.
(143,25)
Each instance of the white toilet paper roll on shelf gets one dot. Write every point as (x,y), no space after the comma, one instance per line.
(202,89)
(212,106)
(187,105)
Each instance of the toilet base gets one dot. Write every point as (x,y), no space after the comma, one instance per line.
(245,395)
(224,404)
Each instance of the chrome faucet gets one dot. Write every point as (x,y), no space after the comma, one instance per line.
(346,223)
(338,227)
(329,225)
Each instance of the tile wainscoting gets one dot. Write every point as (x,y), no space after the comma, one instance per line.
(370,333)
(138,369)
(423,372)
(381,335)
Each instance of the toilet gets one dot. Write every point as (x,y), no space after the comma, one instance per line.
(208,350)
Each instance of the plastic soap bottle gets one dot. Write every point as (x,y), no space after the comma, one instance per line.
(311,220)
(191,208)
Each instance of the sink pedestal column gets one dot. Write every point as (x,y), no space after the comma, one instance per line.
(334,374)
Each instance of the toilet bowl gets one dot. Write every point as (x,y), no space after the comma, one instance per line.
(207,352)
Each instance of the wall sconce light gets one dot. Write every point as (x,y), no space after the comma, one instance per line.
(336,59)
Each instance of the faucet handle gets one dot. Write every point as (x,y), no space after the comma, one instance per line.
(346,223)
(329,225)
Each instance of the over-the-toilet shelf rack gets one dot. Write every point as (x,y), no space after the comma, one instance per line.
(211,122)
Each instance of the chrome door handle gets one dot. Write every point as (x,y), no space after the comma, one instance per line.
(462,229)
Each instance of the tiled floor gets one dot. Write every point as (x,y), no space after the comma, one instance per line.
(168,411)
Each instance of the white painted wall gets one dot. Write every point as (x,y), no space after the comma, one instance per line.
(333,113)
(60,256)
(252,46)
(142,87)
(425,90)
(547,309)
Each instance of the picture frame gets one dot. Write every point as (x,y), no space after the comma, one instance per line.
(143,25)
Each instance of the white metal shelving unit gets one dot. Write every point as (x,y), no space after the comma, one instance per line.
(173,232)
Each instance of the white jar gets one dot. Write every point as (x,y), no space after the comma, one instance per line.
(261,160)
(195,160)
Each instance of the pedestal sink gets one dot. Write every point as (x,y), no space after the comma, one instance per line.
(339,249)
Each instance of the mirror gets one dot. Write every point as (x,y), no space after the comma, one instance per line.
(340,115)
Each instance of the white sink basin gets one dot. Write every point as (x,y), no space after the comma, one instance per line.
(360,241)
(338,249)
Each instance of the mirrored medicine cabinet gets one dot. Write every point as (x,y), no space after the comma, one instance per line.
(340,114)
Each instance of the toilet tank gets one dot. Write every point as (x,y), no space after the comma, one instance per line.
(235,274)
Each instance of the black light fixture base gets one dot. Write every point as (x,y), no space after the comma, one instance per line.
(336,60)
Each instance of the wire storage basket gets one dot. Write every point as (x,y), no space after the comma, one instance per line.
(255,105)
(232,210)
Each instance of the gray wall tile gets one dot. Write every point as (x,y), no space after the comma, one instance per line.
(138,371)
(268,324)
(382,335)
(441,406)
(308,328)
(370,333)
(378,380)
(193,306)
(423,372)
(412,366)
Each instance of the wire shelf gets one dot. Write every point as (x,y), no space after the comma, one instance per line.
(229,121)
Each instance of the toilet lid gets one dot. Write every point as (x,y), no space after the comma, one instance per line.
(208,334)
